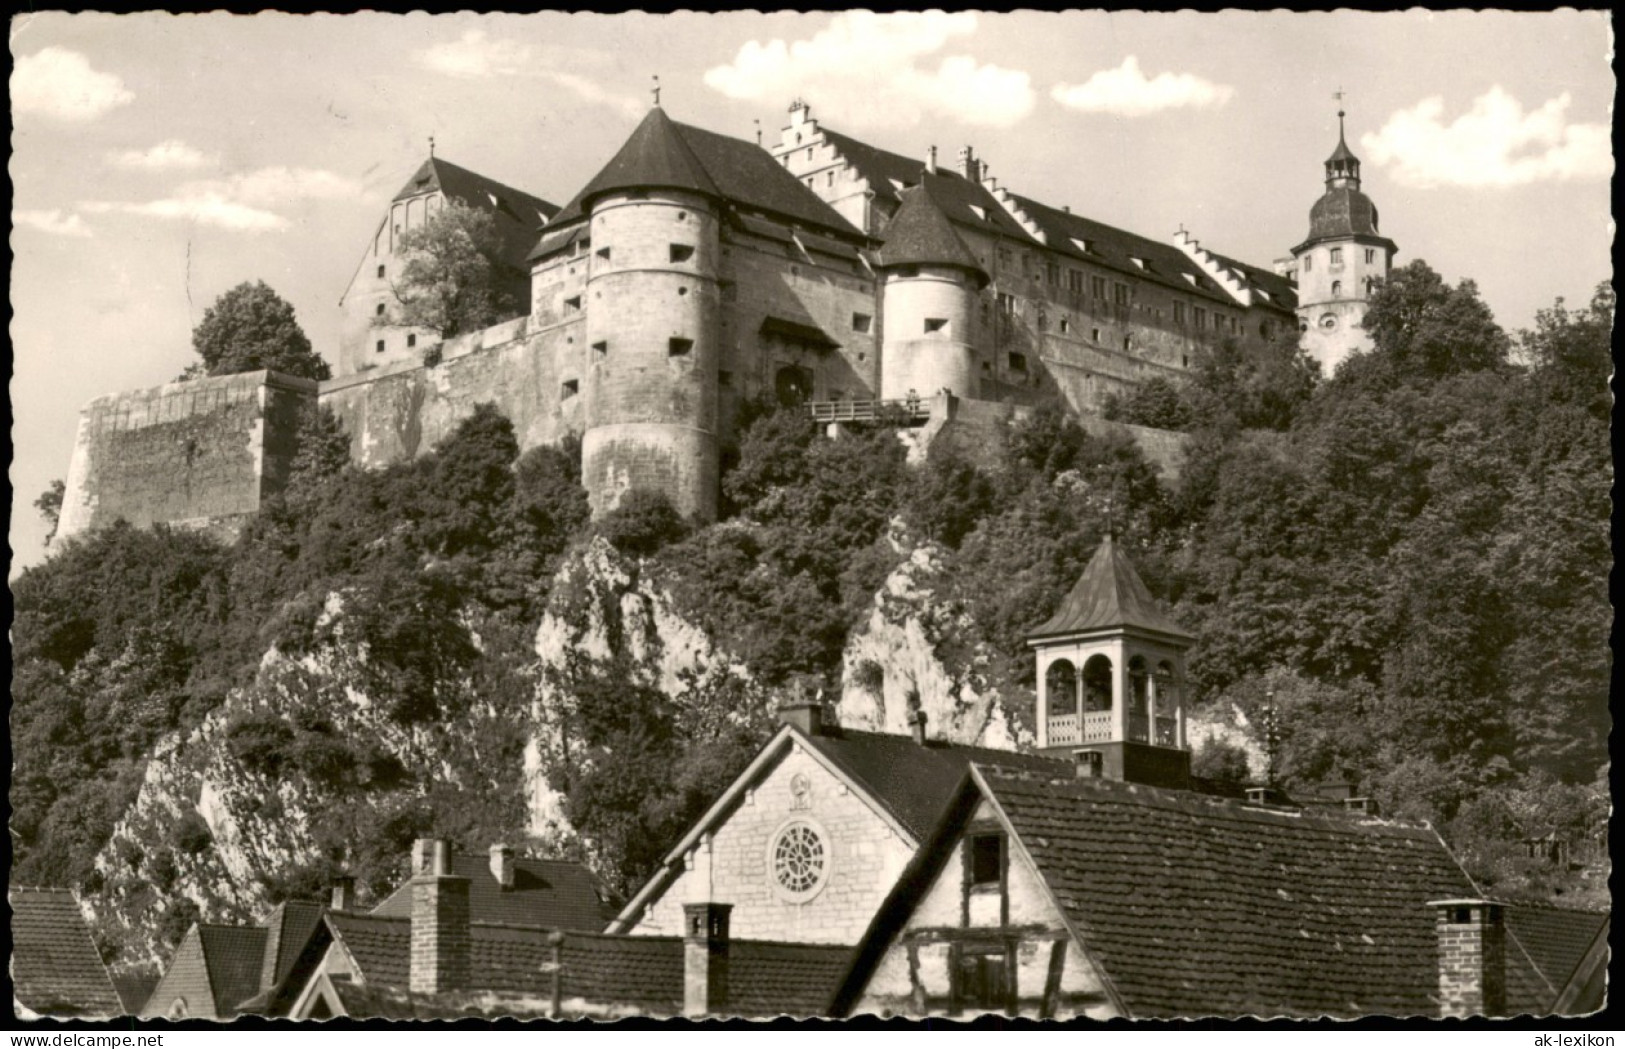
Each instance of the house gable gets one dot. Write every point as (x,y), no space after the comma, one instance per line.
(184,989)
(850,851)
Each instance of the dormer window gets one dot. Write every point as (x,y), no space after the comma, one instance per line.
(979,211)
(1085,246)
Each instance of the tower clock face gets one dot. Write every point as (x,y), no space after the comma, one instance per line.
(1328,320)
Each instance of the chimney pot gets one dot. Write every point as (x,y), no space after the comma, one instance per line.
(502,865)
(440,934)
(1091,764)
(343,893)
(808,717)
(931,160)
(705,958)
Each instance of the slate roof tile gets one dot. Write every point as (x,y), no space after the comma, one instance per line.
(518,215)
(1196,906)
(1555,938)
(234,956)
(921,233)
(55,966)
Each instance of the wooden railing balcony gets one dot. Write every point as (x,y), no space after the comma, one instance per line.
(1093,726)
(1139,728)
(894,413)
(1167,732)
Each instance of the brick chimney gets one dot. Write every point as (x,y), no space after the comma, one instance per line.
(931,160)
(968,165)
(916,725)
(502,865)
(1091,764)
(1472,957)
(440,933)
(705,958)
(806,716)
(342,895)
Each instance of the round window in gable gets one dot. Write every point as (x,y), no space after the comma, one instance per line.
(798,859)
(1328,320)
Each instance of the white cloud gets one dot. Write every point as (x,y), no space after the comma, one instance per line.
(54,222)
(871,70)
(1126,92)
(170,155)
(1495,143)
(56,82)
(476,56)
(240,203)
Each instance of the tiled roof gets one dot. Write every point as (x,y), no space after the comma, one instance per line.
(1278,290)
(915,782)
(290,927)
(664,153)
(1556,939)
(1194,906)
(134,988)
(234,956)
(1109,595)
(54,963)
(518,215)
(554,894)
(921,233)
(964,202)
(640,973)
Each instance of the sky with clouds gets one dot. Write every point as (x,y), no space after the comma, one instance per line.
(158,160)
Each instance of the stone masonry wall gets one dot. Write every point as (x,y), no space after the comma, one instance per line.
(865,858)
(201,453)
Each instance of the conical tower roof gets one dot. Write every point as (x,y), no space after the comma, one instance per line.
(655,156)
(1342,152)
(1109,596)
(920,234)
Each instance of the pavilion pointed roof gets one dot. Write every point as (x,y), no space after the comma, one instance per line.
(1109,596)
(920,233)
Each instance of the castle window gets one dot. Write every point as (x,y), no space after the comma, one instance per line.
(980,980)
(985,865)
(936,324)
(1201,317)
(1308,263)
(681,292)
(411,341)
(1018,362)
(379,348)
(601,348)
(1122,294)
(570,388)
(681,215)
(603,254)
(725,378)
(1097,287)
(679,347)
(810,182)
(1074,281)
(1184,360)
(1094,334)
(829,179)
(861,322)
(682,252)
(379,311)
(1066,325)
(1052,273)
(381,269)
(809,152)
(1005,302)
(1128,343)
(1370,259)
(1179,313)
(572,304)
(1337,288)
(1337,256)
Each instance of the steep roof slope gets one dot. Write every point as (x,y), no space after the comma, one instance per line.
(55,967)
(921,234)
(554,894)
(1110,594)
(234,956)
(662,153)
(965,202)
(1194,906)
(1556,939)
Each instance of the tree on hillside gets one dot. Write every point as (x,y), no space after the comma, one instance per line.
(454,280)
(1423,330)
(252,327)
(49,505)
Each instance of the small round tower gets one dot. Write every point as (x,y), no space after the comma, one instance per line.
(652,327)
(928,302)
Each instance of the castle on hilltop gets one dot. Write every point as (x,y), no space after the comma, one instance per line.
(696,270)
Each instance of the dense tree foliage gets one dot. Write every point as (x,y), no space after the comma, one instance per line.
(252,327)
(454,279)
(49,505)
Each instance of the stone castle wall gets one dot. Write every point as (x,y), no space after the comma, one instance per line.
(203,453)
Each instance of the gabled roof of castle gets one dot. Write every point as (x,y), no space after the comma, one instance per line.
(889,174)
(518,215)
(55,967)
(1110,595)
(664,154)
(554,894)
(921,234)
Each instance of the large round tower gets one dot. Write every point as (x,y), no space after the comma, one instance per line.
(928,304)
(1344,254)
(652,305)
